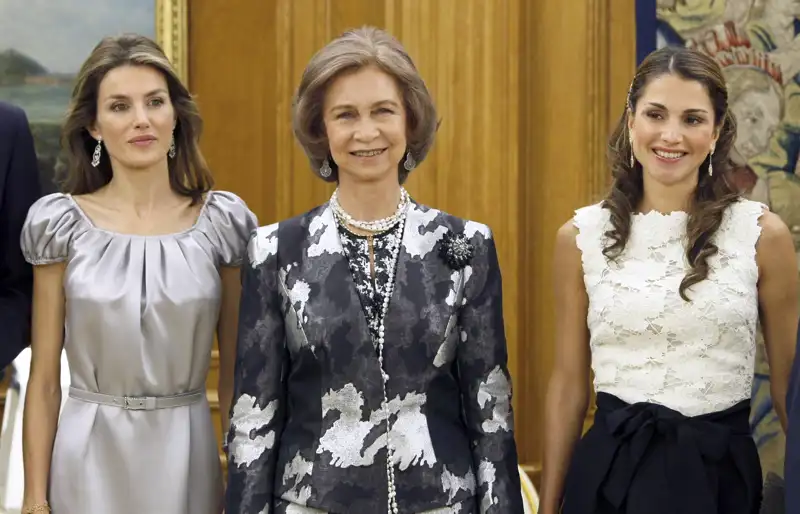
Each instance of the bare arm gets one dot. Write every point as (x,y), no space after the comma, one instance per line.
(43,398)
(227,329)
(568,391)
(778,305)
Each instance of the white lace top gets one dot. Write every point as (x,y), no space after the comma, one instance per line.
(647,343)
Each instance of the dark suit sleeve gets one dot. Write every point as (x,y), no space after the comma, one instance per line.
(20,191)
(486,384)
(257,413)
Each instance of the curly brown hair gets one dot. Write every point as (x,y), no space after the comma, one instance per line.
(189,174)
(713,194)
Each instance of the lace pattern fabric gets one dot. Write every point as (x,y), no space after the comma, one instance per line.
(370,291)
(647,343)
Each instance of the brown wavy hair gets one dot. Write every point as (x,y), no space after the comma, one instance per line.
(189,174)
(713,194)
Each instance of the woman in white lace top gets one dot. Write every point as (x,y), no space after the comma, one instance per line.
(659,290)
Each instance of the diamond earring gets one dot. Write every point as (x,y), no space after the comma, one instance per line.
(172,147)
(98,150)
(325,171)
(409,164)
(710,167)
(633,160)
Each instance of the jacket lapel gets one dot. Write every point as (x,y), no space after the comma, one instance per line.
(424,301)
(319,286)
(323,309)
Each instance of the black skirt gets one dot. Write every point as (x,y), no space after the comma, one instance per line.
(648,459)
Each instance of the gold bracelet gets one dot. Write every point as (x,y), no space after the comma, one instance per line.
(39,507)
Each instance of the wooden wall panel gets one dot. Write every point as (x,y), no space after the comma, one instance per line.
(233,74)
(524,91)
(574,55)
(621,56)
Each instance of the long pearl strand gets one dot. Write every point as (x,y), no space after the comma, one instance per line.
(400,217)
(392,500)
(381,225)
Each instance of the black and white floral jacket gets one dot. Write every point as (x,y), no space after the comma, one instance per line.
(307,424)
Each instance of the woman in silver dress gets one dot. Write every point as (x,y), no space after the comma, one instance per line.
(135,268)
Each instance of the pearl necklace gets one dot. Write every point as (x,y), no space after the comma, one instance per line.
(380,225)
(395,249)
(392,499)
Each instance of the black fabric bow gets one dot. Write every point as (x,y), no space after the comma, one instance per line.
(637,427)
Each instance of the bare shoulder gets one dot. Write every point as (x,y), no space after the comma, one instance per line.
(775,248)
(567,258)
(96,203)
(775,236)
(772,228)
(85,198)
(566,237)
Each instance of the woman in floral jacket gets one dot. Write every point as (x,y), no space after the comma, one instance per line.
(371,371)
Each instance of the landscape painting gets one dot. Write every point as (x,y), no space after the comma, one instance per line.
(42,46)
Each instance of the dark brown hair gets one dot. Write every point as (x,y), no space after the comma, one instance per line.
(713,194)
(350,52)
(188,172)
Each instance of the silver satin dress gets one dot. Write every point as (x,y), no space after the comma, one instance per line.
(141,313)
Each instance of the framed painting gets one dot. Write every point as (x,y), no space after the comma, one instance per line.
(44,43)
(172,33)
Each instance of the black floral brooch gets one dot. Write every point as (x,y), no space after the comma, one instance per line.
(456,250)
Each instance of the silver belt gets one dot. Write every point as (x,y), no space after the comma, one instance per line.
(138,402)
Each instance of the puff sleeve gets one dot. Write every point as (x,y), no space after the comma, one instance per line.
(48,229)
(230,224)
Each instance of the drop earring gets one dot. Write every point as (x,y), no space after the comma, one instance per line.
(409,164)
(710,159)
(172,147)
(630,143)
(325,170)
(98,151)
